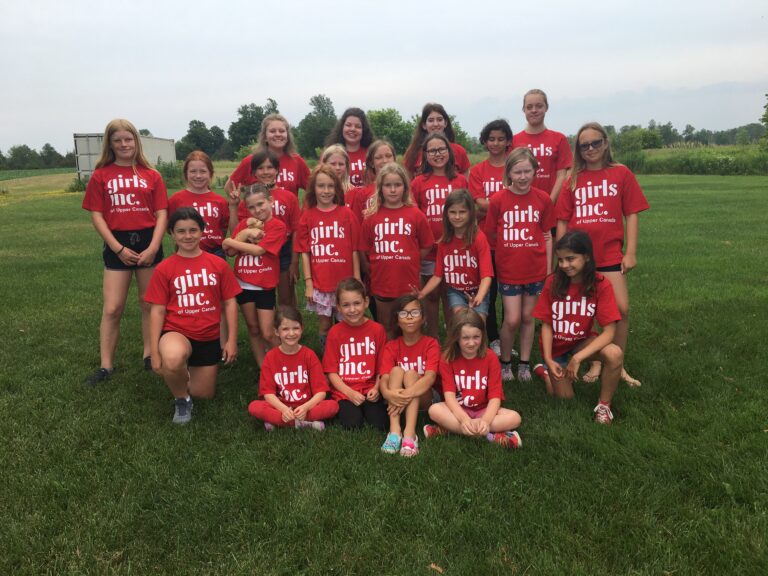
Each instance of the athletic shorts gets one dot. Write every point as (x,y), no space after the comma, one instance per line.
(204,352)
(264,299)
(136,240)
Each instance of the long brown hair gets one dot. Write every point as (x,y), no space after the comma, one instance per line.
(578,242)
(310,196)
(579,164)
(108,155)
(460,196)
(412,152)
(464,317)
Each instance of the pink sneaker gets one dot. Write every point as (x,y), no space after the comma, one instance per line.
(510,439)
(541,371)
(432,431)
(603,414)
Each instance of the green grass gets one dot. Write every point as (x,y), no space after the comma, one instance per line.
(13,174)
(99,480)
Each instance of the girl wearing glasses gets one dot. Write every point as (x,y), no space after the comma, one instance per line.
(409,368)
(438,178)
(434,118)
(549,147)
(601,198)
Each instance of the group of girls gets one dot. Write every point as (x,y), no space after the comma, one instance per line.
(411,237)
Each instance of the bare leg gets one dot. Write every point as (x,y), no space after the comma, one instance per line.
(620,291)
(431,309)
(512,317)
(115,291)
(175,350)
(202,381)
(143,276)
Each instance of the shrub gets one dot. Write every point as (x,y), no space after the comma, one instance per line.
(171,173)
(78,184)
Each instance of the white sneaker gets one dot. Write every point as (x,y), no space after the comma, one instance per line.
(183,411)
(506,374)
(603,414)
(496,347)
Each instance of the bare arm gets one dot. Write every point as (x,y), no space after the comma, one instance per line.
(629,261)
(147,257)
(431,284)
(156,320)
(336,382)
(229,354)
(560,177)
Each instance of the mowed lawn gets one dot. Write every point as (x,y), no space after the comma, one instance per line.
(98,481)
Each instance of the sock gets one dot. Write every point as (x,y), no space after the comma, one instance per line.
(506,364)
(524,362)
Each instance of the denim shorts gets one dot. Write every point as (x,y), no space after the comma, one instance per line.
(458,298)
(532,289)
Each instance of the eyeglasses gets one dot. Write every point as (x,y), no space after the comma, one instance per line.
(437,151)
(584,146)
(415,313)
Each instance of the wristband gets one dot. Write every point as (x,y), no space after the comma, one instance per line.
(121,249)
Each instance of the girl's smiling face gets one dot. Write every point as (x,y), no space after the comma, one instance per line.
(277,135)
(289,333)
(434,123)
(411,318)
(592,148)
(123,146)
(436,152)
(497,143)
(325,191)
(470,339)
(265,173)
(187,235)
(352,307)
(259,206)
(571,264)
(198,176)
(352,132)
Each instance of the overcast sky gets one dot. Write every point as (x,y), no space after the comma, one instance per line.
(73,66)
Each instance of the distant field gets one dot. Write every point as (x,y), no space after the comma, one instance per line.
(14,174)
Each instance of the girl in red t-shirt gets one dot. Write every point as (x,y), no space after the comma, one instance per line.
(437,179)
(471,378)
(198,173)
(275,136)
(264,169)
(434,118)
(394,238)
(128,203)
(292,381)
(187,294)
(603,198)
(574,297)
(354,133)
(337,158)
(257,268)
(327,241)
(463,257)
(352,359)
(408,373)
(518,226)
(360,199)
(550,148)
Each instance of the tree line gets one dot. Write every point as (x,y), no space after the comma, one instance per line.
(311,131)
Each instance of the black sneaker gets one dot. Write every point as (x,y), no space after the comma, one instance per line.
(100,375)
(148,363)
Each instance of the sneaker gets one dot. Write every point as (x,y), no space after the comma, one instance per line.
(148,363)
(391,443)
(496,347)
(410,447)
(540,371)
(183,411)
(269,427)
(100,375)
(432,431)
(524,373)
(603,414)
(510,440)
(318,425)
(506,373)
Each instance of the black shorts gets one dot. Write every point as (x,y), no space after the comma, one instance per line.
(286,253)
(216,252)
(136,240)
(204,352)
(264,299)
(613,268)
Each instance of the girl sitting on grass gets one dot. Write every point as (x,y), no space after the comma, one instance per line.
(292,381)
(187,294)
(408,373)
(471,379)
(573,298)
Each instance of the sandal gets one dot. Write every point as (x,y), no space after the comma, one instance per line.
(593,374)
(391,443)
(410,447)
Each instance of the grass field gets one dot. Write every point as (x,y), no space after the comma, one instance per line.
(98,481)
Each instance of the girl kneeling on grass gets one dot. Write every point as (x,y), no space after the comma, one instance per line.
(471,378)
(573,298)
(292,381)
(187,294)
(352,358)
(408,372)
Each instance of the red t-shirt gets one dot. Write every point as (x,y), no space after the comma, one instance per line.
(354,353)
(285,208)
(330,238)
(293,378)
(484,181)
(552,152)
(462,268)
(292,174)
(460,159)
(192,290)
(264,270)
(357,166)
(515,226)
(360,199)
(474,381)
(572,318)
(212,207)
(392,238)
(422,356)
(429,192)
(127,196)
(598,205)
